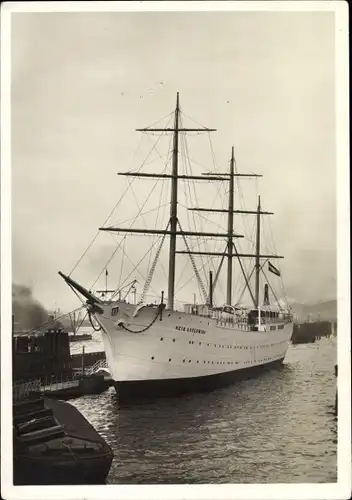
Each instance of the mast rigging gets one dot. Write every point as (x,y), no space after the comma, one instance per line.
(173,232)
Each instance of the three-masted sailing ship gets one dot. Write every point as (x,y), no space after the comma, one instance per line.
(157,350)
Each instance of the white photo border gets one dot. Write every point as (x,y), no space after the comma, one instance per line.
(338,490)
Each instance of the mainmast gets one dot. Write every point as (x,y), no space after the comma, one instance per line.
(230,232)
(173,211)
(257,257)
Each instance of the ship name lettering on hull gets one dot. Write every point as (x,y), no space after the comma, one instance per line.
(188,329)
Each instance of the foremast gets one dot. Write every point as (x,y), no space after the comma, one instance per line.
(175,177)
(173,210)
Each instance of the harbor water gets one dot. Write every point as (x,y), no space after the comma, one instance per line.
(277,428)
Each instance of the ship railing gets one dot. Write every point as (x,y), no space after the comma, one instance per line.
(58,383)
(238,325)
(101,363)
(90,370)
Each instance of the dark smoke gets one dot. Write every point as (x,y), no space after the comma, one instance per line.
(28,312)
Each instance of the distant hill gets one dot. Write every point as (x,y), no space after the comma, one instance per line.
(325,311)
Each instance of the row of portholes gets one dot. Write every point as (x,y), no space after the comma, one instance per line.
(260,360)
(227,362)
(213,362)
(192,342)
(236,346)
(206,362)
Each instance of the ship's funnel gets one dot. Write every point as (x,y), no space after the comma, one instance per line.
(91,299)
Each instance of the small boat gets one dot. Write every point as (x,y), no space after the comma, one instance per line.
(78,337)
(54,444)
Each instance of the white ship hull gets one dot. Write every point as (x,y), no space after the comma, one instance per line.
(183,352)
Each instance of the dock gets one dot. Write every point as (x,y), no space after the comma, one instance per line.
(63,375)
(310,331)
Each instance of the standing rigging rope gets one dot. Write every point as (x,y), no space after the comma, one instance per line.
(118,202)
(135,267)
(201,285)
(116,249)
(46,324)
(152,269)
(168,159)
(188,171)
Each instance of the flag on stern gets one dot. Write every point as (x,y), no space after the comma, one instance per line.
(273,269)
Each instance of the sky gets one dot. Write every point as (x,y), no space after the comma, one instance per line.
(83,82)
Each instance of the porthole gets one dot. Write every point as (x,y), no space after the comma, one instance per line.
(161,338)
(152,357)
(169,360)
(183,360)
(173,340)
(189,361)
(197,361)
(200,343)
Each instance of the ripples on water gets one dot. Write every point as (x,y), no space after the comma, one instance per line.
(276,428)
